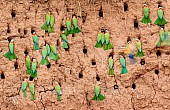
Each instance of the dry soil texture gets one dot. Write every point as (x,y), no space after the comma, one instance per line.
(152,90)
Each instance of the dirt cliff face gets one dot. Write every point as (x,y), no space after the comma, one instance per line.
(150,81)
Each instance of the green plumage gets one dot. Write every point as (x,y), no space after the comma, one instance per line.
(35,40)
(64,40)
(146,19)
(107,45)
(99,41)
(24,87)
(33,68)
(49,23)
(48,49)
(53,55)
(31,87)
(52,21)
(139,53)
(28,65)
(123,63)
(10,54)
(44,60)
(111,68)
(68,25)
(75,26)
(160,20)
(47,18)
(58,92)
(98,96)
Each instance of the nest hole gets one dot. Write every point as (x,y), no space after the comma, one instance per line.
(156,71)
(25,31)
(32,31)
(58,42)
(8,29)
(125,6)
(13,13)
(97,78)
(31,78)
(101,12)
(16,65)
(158,53)
(26,52)
(62,27)
(136,25)
(142,62)
(80,75)
(73,35)
(133,86)
(67,49)
(93,62)
(49,65)
(116,86)
(19,30)
(2,76)
(9,39)
(84,50)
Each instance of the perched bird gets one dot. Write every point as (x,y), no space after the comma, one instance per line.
(28,64)
(139,53)
(53,55)
(10,54)
(123,64)
(146,19)
(75,26)
(161,37)
(31,88)
(99,43)
(35,40)
(111,65)
(44,60)
(98,96)
(68,27)
(24,87)
(48,49)
(49,23)
(160,20)
(64,40)
(107,45)
(33,68)
(58,91)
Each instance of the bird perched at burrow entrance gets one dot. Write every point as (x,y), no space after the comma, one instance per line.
(123,64)
(48,26)
(10,54)
(24,87)
(44,59)
(75,25)
(35,41)
(32,90)
(97,93)
(107,45)
(53,55)
(160,21)
(100,40)
(111,65)
(64,40)
(146,19)
(140,52)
